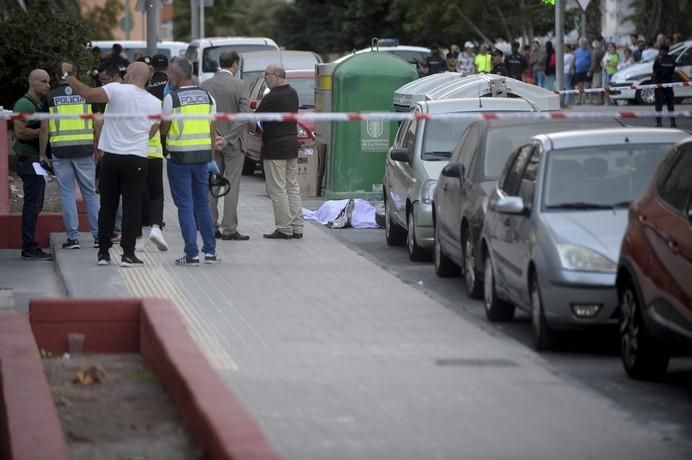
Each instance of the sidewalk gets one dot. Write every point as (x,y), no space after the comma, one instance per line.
(338,359)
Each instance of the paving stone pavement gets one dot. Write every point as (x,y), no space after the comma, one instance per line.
(338,359)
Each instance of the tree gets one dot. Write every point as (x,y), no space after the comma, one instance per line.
(63,37)
(651,17)
(218,21)
(102,19)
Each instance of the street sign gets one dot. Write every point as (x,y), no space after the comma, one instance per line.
(584,4)
(126,24)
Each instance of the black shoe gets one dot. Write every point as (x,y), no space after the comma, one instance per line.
(235,236)
(218,234)
(71,244)
(277,235)
(297,236)
(189,261)
(104,258)
(130,261)
(36,254)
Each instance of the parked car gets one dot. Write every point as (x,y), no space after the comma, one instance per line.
(654,278)
(640,74)
(204,52)
(254,63)
(555,221)
(303,81)
(461,196)
(167,48)
(414,55)
(421,149)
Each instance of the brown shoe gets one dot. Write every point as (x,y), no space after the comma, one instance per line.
(277,235)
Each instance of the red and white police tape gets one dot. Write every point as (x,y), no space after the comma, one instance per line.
(613,89)
(350,116)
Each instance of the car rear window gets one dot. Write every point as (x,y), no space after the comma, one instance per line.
(502,140)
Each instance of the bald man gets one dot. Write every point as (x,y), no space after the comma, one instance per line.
(124,164)
(27,149)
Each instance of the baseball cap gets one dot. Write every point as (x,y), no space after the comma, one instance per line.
(469,45)
(159,60)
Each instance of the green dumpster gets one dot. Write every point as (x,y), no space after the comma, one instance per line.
(357,150)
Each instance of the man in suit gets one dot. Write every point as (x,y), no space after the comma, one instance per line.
(231,97)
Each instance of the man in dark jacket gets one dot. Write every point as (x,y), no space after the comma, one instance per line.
(664,69)
(280,155)
(515,63)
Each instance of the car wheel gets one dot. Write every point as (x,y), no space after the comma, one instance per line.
(474,286)
(415,252)
(249,166)
(640,356)
(543,337)
(645,96)
(444,267)
(496,309)
(394,234)
(622,102)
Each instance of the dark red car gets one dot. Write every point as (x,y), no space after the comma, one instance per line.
(303,81)
(654,278)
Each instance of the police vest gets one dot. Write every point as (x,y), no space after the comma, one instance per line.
(69,137)
(189,139)
(483,63)
(154,148)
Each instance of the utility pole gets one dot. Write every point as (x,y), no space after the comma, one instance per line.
(194,20)
(153,8)
(201,18)
(560,45)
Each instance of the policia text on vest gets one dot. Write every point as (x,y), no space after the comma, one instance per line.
(188,139)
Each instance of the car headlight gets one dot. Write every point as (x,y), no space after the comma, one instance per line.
(579,258)
(428,191)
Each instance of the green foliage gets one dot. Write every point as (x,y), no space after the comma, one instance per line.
(651,17)
(102,19)
(23,48)
(220,20)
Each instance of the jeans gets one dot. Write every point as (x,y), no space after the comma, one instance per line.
(567,84)
(82,170)
(34,193)
(189,183)
(539,77)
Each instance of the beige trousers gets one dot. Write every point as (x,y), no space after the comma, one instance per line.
(282,181)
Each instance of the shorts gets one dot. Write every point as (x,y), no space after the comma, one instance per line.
(579,77)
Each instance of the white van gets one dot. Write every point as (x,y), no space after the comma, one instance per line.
(167,48)
(204,52)
(253,64)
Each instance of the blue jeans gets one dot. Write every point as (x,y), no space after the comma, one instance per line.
(34,192)
(539,76)
(190,191)
(82,170)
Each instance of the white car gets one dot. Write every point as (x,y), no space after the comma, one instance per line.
(640,74)
(204,52)
(253,63)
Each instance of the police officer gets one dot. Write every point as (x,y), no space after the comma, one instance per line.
(72,146)
(515,63)
(435,63)
(664,69)
(498,63)
(159,78)
(189,143)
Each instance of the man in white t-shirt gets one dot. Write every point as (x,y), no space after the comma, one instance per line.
(124,164)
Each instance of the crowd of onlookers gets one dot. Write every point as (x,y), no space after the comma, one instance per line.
(586,65)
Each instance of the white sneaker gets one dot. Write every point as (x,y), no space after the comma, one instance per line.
(156,237)
(139,245)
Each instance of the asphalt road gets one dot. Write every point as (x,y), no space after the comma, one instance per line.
(591,358)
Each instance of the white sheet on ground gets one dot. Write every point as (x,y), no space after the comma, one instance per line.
(363,213)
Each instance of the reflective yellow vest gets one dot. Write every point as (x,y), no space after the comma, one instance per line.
(188,139)
(484,63)
(73,134)
(155,149)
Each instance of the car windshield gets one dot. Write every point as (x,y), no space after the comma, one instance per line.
(440,138)
(602,177)
(502,140)
(210,56)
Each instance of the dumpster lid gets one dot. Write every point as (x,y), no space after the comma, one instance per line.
(416,90)
(496,86)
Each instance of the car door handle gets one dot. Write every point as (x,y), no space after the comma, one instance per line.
(673,246)
(445,187)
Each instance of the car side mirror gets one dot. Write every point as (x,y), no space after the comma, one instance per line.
(195,68)
(400,155)
(454,170)
(510,205)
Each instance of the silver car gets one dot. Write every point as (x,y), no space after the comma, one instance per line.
(552,233)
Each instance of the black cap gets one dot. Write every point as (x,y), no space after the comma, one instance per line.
(159,60)
(144,59)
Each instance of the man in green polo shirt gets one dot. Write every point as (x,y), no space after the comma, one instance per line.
(27,149)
